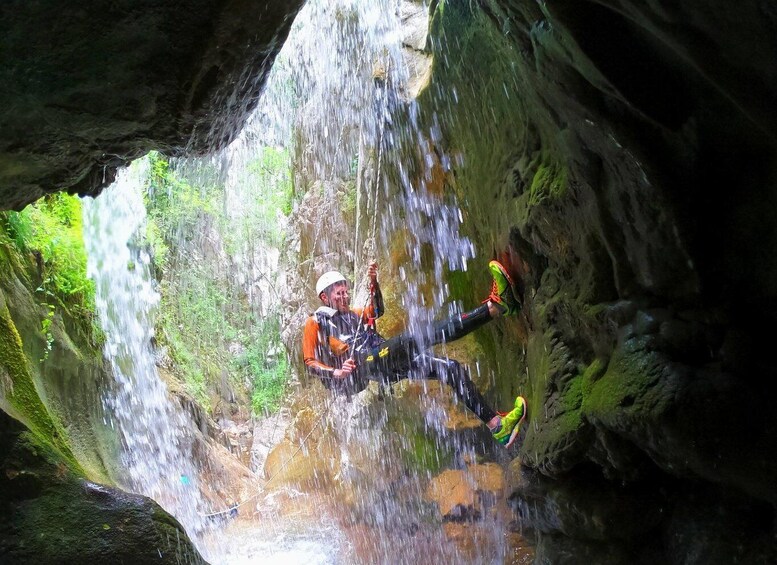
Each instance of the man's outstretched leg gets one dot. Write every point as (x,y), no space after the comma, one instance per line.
(504,426)
(400,353)
(451,372)
(502,301)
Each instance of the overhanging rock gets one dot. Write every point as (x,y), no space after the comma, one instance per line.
(88,87)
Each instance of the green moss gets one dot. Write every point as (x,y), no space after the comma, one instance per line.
(592,373)
(9,255)
(49,318)
(12,358)
(567,418)
(550,181)
(569,415)
(423,452)
(407,434)
(627,384)
(491,77)
(557,417)
(572,398)
(459,284)
(21,395)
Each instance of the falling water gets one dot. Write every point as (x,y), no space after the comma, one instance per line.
(340,96)
(341,93)
(156,436)
(339,101)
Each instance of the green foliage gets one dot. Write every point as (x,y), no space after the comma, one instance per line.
(264,364)
(203,322)
(46,328)
(196,327)
(175,206)
(158,246)
(220,346)
(271,175)
(269,387)
(348,202)
(50,230)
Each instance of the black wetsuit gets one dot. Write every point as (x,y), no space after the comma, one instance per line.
(405,356)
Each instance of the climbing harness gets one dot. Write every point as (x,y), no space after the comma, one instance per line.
(368,326)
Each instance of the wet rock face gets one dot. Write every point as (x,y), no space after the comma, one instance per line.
(631,151)
(691,91)
(88,87)
(50,516)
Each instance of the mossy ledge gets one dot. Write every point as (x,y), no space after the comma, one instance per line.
(20,397)
(57,455)
(50,514)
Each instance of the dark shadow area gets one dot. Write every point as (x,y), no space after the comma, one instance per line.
(643,70)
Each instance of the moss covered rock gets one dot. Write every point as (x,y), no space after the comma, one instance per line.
(52,515)
(58,453)
(54,375)
(643,276)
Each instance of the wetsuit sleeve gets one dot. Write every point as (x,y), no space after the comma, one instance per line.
(310,348)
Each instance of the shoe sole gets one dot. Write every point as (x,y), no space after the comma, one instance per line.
(504,272)
(506,275)
(517,427)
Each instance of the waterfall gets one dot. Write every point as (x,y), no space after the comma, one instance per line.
(156,435)
(338,108)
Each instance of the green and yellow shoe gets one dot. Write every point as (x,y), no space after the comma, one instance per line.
(503,290)
(511,423)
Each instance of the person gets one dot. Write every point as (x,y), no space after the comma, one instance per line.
(341,347)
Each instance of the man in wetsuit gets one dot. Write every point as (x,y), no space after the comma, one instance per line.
(341,348)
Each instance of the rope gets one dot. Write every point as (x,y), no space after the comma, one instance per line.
(305,439)
(285,464)
(375,190)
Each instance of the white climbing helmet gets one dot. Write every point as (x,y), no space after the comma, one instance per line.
(328,279)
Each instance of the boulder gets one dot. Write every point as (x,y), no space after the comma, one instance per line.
(50,515)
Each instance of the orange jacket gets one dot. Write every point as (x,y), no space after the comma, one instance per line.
(321,359)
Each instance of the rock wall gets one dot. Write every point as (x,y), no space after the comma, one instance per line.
(51,382)
(55,441)
(92,86)
(625,156)
(51,515)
